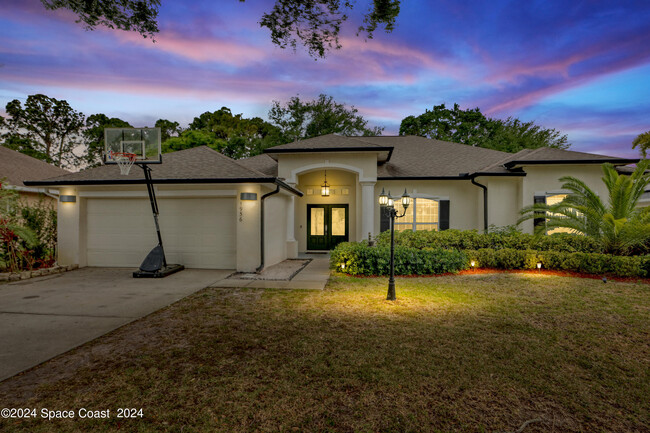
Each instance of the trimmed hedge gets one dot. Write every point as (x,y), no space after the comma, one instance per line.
(360,259)
(472,240)
(587,263)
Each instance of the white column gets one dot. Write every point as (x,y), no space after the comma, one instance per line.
(292,244)
(368,209)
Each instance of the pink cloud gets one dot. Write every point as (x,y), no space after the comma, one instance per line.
(198,49)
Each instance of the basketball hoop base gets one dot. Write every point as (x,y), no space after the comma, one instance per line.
(162,273)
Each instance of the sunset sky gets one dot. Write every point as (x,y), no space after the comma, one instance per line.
(582,67)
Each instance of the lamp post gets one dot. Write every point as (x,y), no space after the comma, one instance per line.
(387,204)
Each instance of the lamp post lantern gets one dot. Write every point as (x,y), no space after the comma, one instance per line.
(388,205)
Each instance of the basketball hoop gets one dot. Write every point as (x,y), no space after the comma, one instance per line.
(124,160)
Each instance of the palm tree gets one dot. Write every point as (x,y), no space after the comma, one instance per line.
(643,141)
(620,225)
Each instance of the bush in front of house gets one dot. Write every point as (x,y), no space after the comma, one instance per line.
(357,258)
(472,240)
(587,263)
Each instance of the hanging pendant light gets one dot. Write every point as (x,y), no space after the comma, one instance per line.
(325,188)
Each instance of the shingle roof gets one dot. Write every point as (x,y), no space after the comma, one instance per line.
(324,142)
(549,155)
(415,156)
(262,163)
(198,164)
(17,167)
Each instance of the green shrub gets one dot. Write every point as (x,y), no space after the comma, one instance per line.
(472,240)
(360,259)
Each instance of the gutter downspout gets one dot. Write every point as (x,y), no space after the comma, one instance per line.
(277,190)
(485,203)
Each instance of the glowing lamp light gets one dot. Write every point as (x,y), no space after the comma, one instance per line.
(342,266)
(325,188)
(473,263)
(391,202)
(406,199)
(539,265)
(383,198)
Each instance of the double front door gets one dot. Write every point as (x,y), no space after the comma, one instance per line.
(327,225)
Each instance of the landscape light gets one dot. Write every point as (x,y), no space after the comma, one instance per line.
(388,207)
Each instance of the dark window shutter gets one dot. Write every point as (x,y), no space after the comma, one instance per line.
(384,219)
(443,217)
(541,220)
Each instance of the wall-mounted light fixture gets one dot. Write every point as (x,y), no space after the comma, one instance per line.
(68,198)
(325,188)
(248,196)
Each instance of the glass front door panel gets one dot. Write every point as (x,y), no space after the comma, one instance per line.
(338,221)
(317,221)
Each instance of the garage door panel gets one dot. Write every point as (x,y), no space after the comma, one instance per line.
(198,233)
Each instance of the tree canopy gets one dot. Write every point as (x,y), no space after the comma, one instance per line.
(93,134)
(316,24)
(473,128)
(233,135)
(643,143)
(130,15)
(44,127)
(299,119)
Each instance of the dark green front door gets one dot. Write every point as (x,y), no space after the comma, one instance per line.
(327,225)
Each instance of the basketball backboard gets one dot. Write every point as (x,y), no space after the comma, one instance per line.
(143,142)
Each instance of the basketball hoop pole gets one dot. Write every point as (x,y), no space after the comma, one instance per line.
(154,206)
(155,264)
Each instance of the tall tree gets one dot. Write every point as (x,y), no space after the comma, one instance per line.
(459,126)
(643,142)
(168,129)
(316,24)
(231,134)
(620,225)
(93,134)
(473,128)
(299,119)
(51,125)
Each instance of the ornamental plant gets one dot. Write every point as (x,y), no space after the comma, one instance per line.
(618,225)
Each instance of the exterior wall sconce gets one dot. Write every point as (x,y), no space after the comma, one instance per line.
(68,198)
(248,196)
(388,205)
(325,188)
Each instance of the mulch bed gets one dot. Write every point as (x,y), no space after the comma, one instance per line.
(483,271)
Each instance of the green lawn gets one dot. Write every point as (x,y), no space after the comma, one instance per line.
(475,353)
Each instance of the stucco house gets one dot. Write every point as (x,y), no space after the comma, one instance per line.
(15,167)
(216,212)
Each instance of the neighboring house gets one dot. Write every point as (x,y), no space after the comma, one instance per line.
(216,212)
(15,167)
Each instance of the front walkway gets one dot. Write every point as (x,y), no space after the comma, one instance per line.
(314,276)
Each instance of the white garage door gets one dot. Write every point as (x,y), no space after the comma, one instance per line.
(197,233)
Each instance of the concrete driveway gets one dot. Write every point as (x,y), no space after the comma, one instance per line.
(44,317)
